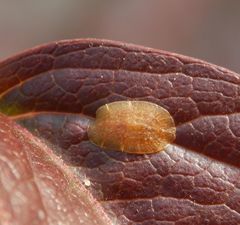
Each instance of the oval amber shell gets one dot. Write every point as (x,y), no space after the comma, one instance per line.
(136,127)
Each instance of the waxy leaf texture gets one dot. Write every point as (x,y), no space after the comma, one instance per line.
(36,187)
(54,91)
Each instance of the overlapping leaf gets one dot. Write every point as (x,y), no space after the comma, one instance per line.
(36,187)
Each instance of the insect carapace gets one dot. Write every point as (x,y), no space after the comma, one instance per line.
(137,127)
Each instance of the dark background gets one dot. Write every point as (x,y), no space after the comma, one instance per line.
(206,29)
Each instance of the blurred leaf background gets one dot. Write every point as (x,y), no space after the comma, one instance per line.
(206,29)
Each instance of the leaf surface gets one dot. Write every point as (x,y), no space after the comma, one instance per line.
(55,90)
(36,187)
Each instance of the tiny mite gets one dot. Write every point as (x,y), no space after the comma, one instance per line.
(136,127)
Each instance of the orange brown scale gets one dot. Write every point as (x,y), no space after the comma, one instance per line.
(136,127)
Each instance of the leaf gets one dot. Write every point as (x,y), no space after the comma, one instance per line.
(55,90)
(37,186)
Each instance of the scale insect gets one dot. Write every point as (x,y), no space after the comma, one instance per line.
(136,127)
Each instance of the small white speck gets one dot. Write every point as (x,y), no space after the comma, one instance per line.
(87,182)
(41,215)
(130,104)
(64,209)
(107,107)
(2,131)
(86,215)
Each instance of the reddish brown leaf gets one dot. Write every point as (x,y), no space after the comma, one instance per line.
(36,187)
(54,91)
